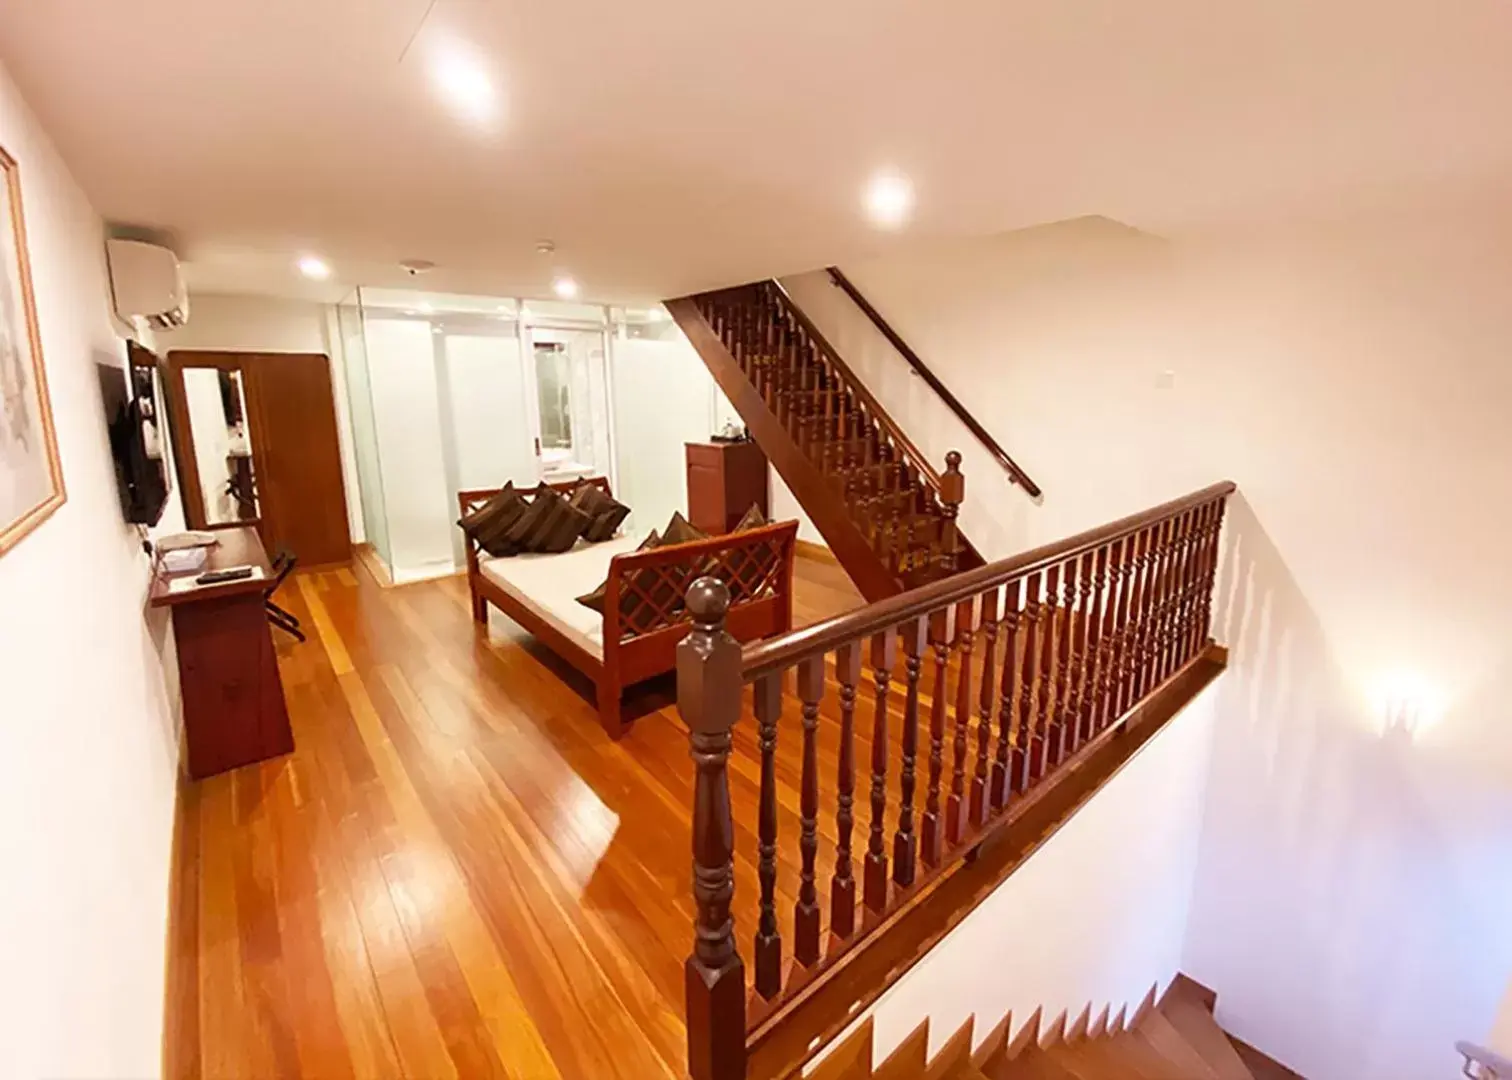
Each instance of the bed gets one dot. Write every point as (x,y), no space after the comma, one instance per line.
(643,620)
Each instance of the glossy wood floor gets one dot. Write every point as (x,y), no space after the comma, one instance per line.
(456,874)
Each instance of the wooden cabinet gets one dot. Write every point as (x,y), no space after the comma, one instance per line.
(724,479)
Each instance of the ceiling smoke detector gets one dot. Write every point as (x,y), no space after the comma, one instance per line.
(416,267)
(545,247)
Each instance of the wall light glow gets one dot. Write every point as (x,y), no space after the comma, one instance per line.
(1405,703)
(888,200)
(463,83)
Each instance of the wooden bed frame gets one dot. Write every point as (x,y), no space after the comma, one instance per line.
(761,560)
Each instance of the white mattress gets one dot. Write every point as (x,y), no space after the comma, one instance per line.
(551,584)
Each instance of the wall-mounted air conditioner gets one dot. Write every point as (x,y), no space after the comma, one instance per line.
(147,284)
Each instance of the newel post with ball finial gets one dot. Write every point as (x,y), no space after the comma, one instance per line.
(708,698)
(952,492)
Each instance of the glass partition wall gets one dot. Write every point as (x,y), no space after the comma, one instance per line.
(454,392)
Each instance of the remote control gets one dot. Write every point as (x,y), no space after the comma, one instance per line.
(216,577)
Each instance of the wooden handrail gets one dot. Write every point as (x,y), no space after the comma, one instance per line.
(881,415)
(776,654)
(1054,652)
(1011,467)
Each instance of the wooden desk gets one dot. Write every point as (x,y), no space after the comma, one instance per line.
(234,711)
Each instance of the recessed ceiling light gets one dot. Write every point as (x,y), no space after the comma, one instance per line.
(565,287)
(312,267)
(888,200)
(463,82)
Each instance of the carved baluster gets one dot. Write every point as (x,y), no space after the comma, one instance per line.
(843,884)
(1190,642)
(806,911)
(1026,750)
(955,806)
(1176,598)
(884,652)
(1107,676)
(767,693)
(1128,647)
(906,840)
(1050,738)
(1164,575)
(1094,582)
(708,699)
(1148,603)
(986,699)
(1002,763)
(930,826)
(1065,679)
(1210,572)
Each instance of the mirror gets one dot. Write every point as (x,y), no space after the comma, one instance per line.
(217,408)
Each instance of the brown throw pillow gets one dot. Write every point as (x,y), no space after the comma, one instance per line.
(488,524)
(606,514)
(680,531)
(746,568)
(595,599)
(550,524)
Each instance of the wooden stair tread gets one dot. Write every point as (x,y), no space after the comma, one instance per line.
(1201,1031)
(1033,1064)
(909,1059)
(1156,1030)
(1123,1055)
(851,1060)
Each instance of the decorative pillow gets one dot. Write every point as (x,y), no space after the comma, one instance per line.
(746,569)
(595,599)
(605,513)
(680,531)
(550,524)
(488,524)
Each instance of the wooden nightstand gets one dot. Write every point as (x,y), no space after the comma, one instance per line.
(724,479)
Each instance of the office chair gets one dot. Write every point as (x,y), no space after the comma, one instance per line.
(283,566)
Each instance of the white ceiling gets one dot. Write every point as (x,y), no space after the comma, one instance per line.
(671,145)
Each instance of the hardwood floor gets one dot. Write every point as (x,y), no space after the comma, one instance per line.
(456,873)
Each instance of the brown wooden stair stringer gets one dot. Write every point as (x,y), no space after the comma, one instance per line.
(817,498)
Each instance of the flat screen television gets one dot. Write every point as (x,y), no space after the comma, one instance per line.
(137,440)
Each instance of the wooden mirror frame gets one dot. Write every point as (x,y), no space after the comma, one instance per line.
(187,463)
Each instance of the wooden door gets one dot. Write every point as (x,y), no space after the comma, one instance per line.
(298,456)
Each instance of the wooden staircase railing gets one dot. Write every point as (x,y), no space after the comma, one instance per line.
(925,372)
(886,512)
(1032,663)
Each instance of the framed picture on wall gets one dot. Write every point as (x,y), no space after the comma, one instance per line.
(31,477)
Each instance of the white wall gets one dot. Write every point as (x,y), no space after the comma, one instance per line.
(88,697)
(271,324)
(407,412)
(1352,376)
(1096,916)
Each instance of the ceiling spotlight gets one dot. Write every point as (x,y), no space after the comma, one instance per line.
(463,83)
(565,288)
(312,267)
(888,200)
(545,247)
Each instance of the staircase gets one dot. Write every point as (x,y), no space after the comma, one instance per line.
(885,511)
(1179,1039)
